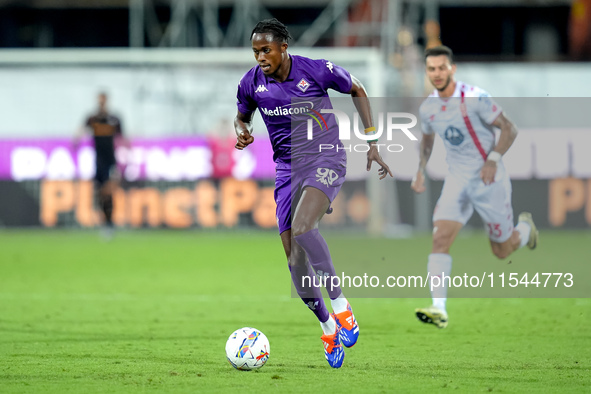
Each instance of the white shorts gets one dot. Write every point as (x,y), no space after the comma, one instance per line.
(459,198)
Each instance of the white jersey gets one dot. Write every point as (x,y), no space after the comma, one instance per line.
(464,123)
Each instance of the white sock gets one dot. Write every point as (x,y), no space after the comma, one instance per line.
(524,229)
(339,304)
(329,327)
(439,265)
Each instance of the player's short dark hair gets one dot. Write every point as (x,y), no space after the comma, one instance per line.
(440,50)
(273,26)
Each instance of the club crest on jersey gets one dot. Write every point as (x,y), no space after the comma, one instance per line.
(454,136)
(303,85)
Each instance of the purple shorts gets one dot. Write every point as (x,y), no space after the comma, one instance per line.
(324,174)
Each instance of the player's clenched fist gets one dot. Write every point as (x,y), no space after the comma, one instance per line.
(243,140)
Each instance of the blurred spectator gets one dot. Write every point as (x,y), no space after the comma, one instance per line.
(432,31)
(105,128)
(221,141)
(580,30)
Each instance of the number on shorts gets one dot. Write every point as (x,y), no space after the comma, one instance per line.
(494,230)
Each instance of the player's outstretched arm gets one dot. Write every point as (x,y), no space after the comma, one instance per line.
(418,182)
(508,135)
(364,109)
(243,129)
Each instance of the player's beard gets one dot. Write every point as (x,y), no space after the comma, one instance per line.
(445,85)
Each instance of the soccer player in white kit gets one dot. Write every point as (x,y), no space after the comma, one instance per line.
(464,117)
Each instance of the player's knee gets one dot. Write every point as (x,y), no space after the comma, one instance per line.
(300,228)
(441,243)
(501,253)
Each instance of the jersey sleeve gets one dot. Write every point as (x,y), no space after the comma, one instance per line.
(245,103)
(334,77)
(487,108)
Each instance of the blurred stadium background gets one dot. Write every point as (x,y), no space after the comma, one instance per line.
(171,69)
(150,311)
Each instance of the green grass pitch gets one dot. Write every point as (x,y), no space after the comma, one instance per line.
(151,312)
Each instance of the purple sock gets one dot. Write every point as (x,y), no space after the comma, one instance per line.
(319,257)
(310,295)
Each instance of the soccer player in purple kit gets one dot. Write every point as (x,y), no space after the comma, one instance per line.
(306,183)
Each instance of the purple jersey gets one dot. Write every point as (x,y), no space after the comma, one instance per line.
(277,105)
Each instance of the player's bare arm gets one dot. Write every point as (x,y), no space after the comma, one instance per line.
(506,138)
(418,182)
(364,109)
(243,129)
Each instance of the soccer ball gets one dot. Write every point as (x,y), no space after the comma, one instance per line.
(247,348)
